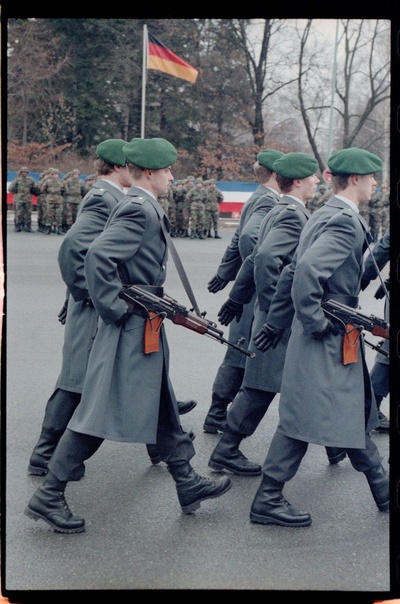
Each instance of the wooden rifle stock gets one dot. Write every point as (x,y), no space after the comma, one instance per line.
(348,315)
(169,308)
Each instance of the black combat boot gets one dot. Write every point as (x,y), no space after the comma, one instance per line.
(186,406)
(200,235)
(192,489)
(185,233)
(227,456)
(28,228)
(18,227)
(378,481)
(152,452)
(192,234)
(216,417)
(270,507)
(209,234)
(216,236)
(49,504)
(43,451)
(335,455)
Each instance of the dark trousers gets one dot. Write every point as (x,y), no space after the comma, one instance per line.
(60,408)
(285,454)
(174,446)
(227,381)
(247,410)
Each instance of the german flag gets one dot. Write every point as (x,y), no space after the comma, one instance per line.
(159,57)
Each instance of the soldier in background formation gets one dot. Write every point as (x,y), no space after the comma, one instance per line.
(213,201)
(75,193)
(40,202)
(321,196)
(197,202)
(57,200)
(193,208)
(378,212)
(23,187)
(54,190)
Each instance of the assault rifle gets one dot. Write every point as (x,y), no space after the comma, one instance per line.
(350,316)
(168,308)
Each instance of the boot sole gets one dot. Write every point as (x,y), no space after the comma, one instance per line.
(217,467)
(36,516)
(212,429)
(383,507)
(188,509)
(37,471)
(188,409)
(257,519)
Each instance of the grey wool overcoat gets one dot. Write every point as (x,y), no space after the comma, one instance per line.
(121,395)
(324,401)
(277,242)
(242,244)
(81,323)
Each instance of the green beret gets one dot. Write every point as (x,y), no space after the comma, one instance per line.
(354,161)
(150,153)
(295,165)
(110,151)
(267,157)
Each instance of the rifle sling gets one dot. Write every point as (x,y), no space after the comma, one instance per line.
(180,269)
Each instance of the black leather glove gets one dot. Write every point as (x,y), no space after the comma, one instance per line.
(216,284)
(229,310)
(380,292)
(122,320)
(364,283)
(329,327)
(62,315)
(268,336)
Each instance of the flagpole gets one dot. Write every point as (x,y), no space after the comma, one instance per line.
(144,75)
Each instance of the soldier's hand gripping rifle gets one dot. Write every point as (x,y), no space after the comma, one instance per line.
(350,316)
(169,308)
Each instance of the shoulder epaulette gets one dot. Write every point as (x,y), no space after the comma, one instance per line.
(137,198)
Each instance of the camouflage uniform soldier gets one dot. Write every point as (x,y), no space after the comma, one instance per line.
(23,187)
(41,203)
(54,190)
(172,211)
(186,206)
(214,198)
(163,200)
(375,207)
(179,198)
(89,182)
(319,198)
(197,197)
(385,208)
(74,196)
(364,210)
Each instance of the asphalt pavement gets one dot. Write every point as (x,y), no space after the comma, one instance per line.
(136,536)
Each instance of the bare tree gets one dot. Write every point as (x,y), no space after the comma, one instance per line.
(362,83)
(260,72)
(29,74)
